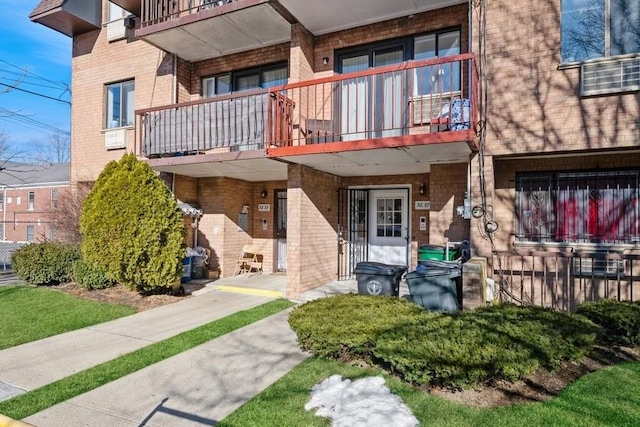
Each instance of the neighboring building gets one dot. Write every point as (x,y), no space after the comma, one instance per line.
(332,132)
(28,195)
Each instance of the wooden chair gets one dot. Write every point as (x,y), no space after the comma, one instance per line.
(249,261)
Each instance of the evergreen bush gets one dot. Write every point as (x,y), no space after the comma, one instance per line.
(620,320)
(89,277)
(132,227)
(347,325)
(47,263)
(502,342)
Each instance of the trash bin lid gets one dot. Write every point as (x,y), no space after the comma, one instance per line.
(427,273)
(379,268)
(431,248)
(433,263)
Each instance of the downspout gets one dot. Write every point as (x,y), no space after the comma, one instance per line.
(175,80)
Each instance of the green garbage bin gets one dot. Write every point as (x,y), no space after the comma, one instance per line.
(426,252)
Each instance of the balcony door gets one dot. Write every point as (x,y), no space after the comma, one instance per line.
(372,106)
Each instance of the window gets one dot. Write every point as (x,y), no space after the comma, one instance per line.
(389,217)
(31,201)
(52,234)
(263,77)
(578,207)
(120,105)
(54,199)
(30,233)
(115,12)
(441,78)
(599,28)
(1,200)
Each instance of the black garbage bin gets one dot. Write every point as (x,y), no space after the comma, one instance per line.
(375,278)
(435,285)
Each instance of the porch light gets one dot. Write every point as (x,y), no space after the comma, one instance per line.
(264,194)
(422,188)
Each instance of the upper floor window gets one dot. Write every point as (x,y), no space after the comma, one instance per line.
(115,12)
(31,200)
(120,104)
(254,78)
(1,200)
(54,198)
(599,28)
(578,207)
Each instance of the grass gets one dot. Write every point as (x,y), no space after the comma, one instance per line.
(37,400)
(31,313)
(608,397)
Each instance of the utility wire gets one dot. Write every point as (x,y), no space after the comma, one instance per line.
(15,117)
(24,70)
(35,93)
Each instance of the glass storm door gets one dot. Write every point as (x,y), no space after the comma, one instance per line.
(389,226)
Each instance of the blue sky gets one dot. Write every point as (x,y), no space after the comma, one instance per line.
(39,60)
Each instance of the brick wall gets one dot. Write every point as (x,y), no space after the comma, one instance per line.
(312,240)
(447,186)
(534,107)
(16,216)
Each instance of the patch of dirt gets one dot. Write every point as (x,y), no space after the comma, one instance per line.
(120,295)
(541,385)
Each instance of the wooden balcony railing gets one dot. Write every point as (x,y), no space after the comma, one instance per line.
(157,11)
(564,280)
(412,98)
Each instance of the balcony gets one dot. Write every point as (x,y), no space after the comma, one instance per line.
(201,29)
(411,115)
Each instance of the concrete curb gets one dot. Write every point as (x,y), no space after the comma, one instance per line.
(8,422)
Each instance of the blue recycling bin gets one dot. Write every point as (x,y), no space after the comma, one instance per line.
(186,270)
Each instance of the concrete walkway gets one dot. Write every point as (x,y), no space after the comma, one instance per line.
(197,387)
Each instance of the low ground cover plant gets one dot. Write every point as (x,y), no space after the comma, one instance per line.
(47,263)
(456,350)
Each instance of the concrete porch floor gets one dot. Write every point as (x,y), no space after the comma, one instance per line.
(274,285)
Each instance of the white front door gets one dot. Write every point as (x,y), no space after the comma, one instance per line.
(389,226)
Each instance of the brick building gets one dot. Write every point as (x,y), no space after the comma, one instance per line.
(328,133)
(28,195)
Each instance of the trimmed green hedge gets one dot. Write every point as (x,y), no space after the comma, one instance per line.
(620,320)
(455,350)
(347,325)
(45,263)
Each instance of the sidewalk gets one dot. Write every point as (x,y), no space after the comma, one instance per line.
(196,387)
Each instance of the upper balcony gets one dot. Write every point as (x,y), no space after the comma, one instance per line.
(388,120)
(201,29)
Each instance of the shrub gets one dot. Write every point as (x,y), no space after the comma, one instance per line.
(132,227)
(456,350)
(348,324)
(89,277)
(45,263)
(499,342)
(620,320)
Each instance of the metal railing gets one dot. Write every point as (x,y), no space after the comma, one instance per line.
(412,98)
(157,11)
(564,279)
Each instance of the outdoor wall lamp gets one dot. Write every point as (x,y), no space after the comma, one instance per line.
(325,60)
(263,194)
(422,188)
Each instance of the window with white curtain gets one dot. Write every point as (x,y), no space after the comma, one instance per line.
(254,78)
(115,12)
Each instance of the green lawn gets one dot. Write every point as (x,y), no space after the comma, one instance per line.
(37,400)
(30,313)
(610,397)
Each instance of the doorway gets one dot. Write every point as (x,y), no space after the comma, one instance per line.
(373,225)
(281,229)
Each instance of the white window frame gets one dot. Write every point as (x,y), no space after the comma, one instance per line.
(31,233)
(125,116)
(54,198)
(31,200)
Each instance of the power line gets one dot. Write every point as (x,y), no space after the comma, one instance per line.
(15,117)
(35,93)
(26,71)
